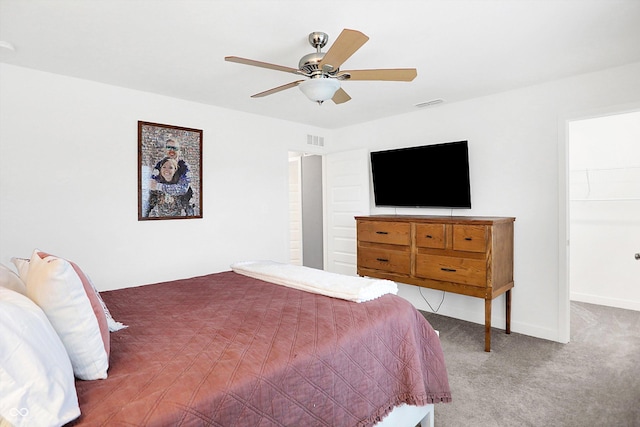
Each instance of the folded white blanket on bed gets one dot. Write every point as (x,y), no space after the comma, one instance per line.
(351,288)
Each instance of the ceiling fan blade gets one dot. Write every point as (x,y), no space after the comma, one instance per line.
(392,74)
(261,64)
(277,89)
(340,96)
(347,43)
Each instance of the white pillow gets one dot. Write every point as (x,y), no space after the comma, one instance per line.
(65,295)
(22,264)
(10,280)
(37,387)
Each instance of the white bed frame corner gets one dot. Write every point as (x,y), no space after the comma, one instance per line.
(409,416)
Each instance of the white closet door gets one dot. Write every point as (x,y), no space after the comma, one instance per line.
(346,196)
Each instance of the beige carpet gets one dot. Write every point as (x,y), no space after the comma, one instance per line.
(592,381)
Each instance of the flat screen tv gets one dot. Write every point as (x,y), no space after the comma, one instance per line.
(435,176)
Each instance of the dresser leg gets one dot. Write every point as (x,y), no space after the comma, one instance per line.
(508,298)
(487,324)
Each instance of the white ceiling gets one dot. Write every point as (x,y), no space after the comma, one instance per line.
(461,48)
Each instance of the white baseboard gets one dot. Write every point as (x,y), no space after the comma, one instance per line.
(606,301)
(471,309)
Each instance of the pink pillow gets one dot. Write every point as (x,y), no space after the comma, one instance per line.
(66,296)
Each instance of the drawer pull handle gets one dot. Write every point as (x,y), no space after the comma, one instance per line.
(382,259)
(429,236)
(452,270)
(382,232)
(468,238)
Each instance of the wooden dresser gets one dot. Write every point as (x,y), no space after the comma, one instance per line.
(466,255)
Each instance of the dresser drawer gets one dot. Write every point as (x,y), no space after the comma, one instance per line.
(470,238)
(384,232)
(452,269)
(430,236)
(385,260)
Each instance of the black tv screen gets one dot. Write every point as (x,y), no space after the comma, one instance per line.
(427,176)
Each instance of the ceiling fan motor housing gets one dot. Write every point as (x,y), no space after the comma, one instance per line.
(309,64)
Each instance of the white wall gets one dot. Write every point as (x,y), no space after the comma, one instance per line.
(516,143)
(68,181)
(605,210)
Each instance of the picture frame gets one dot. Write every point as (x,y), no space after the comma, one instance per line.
(169,172)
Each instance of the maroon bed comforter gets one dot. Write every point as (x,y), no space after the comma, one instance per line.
(227,350)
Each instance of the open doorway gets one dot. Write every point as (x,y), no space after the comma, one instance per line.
(604,210)
(306,210)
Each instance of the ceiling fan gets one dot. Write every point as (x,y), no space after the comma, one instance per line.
(322,69)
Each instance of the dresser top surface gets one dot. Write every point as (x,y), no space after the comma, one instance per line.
(438,219)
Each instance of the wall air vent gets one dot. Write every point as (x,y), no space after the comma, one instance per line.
(315,140)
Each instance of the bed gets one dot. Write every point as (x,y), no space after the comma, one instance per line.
(229,350)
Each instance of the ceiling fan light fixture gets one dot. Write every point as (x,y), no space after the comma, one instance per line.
(319,89)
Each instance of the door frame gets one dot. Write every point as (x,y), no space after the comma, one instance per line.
(564,217)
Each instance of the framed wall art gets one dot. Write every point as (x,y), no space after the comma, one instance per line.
(169,172)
